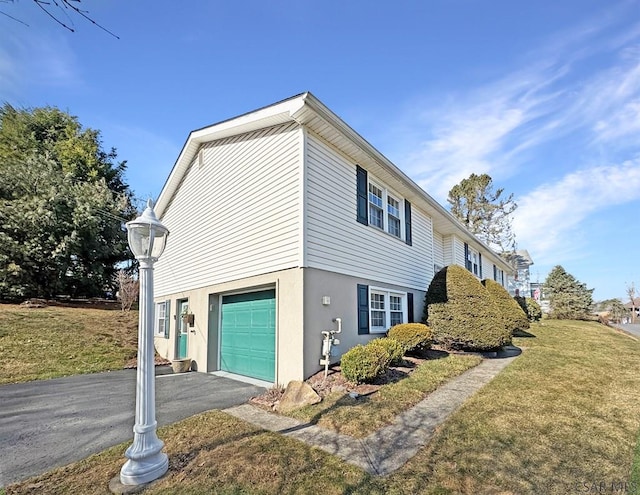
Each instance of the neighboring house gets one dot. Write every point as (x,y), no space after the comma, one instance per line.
(519,282)
(283,219)
(634,310)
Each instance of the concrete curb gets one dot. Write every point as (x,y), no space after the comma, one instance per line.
(389,448)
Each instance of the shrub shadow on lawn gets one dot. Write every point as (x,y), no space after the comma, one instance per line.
(523,333)
(431,354)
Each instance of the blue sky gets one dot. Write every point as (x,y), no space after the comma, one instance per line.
(543,96)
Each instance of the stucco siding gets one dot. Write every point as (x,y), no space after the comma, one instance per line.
(335,241)
(342,290)
(203,338)
(236,213)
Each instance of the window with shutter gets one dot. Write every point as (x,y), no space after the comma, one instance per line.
(381,208)
(363,309)
(162,319)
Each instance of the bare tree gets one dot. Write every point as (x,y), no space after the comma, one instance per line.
(62,12)
(128,289)
(631,292)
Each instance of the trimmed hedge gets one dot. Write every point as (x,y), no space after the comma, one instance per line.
(530,306)
(392,346)
(363,363)
(411,336)
(461,313)
(514,317)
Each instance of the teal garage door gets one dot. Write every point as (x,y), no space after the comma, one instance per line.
(248,334)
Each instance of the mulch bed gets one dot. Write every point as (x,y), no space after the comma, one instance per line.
(133,363)
(336,382)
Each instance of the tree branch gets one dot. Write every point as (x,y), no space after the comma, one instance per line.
(62,5)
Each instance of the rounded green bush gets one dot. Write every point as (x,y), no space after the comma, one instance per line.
(513,315)
(530,306)
(392,346)
(462,314)
(412,336)
(363,363)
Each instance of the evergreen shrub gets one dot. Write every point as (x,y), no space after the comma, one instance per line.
(534,311)
(522,303)
(363,363)
(461,313)
(411,336)
(513,315)
(392,346)
(530,306)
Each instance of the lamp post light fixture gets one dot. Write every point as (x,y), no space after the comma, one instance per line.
(146,461)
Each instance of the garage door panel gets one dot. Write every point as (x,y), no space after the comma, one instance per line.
(248,334)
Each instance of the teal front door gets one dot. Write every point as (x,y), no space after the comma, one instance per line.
(248,334)
(182,330)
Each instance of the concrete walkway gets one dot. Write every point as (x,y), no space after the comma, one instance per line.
(387,449)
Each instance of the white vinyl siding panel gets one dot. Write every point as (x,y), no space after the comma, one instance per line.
(458,251)
(338,243)
(448,251)
(485,269)
(438,250)
(237,215)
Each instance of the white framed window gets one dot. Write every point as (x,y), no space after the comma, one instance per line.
(386,308)
(393,215)
(474,262)
(385,210)
(160,319)
(376,212)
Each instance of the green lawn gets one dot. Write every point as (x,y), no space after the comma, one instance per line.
(37,344)
(561,418)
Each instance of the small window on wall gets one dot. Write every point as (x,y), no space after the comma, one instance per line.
(386,308)
(161,325)
(396,311)
(376,213)
(473,261)
(393,209)
(379,207)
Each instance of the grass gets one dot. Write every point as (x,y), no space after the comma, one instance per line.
(364,415)
(562,417)
(634,480)
(37,344)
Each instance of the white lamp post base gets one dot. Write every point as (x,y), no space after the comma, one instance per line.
(145,470)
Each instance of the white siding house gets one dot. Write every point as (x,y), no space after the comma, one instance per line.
(283,219)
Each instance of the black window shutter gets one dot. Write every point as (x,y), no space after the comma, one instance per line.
(167,318)
(495,273)
(410,308)
(361,196)
(407,222)
(363,309)
(467,261)
(480,264)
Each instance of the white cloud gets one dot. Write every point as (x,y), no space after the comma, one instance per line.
(549,217)
(574,105)
(565,91)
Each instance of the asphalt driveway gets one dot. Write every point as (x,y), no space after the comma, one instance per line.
(50,423)
(632,329)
